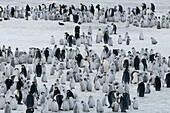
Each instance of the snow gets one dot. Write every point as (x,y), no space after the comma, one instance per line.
(24,34)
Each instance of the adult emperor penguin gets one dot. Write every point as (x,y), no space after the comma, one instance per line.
(112,97)
(126,76)
(141,89)
(136,63)
(114,28)
(152,7)
(167,80)
(157,83)
(106,37)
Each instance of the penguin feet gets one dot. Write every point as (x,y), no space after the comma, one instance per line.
(109,107)
(20,103)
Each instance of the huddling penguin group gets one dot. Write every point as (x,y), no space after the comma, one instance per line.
(143,16)
(25,77)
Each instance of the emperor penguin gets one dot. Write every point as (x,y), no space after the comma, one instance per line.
(63,79)
(72,83)
(76,108)
(44,108)
(167,80)
(100,34)
(153,40)
(2,100)
(115,106)
(110,41)
(13,103)
(169,61)
(71,103)
(112,97)
(89,85)
(99,107)
(141,37)
(82,86)
(135,103)
(141,89)
(52,41)
(85,106)
(8,108)
(44,78)
(152,7)
(91,102)
(147,89)
(55,107)
(157,83)
(120,39)
(114,28)
(65,105)
(105,88)
(104,100)
(97,85)
(128,40)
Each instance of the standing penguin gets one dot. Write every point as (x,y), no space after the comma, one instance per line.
(141,89)
(38,70)
(91,102)
(111,98)
(65,105)
(8,108)
(110,41)
(44,78)
(135,104)
(2,100)
(59,101)
(52,41)
(126,76)
(76,108)
(104,100)
(120,39)
(141,37)
(167,80)
(147,89)
(55,107)
(153,40)
(114,28)
(85,107)
(136,63)
(152,7)
(106,37)
(128,40)
(13,103)
(82,86)
(99,107)
(30,103)
(157,84)
(70,40)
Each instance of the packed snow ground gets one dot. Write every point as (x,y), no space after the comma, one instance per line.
(24,34)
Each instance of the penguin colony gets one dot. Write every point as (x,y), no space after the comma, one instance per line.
(24,77)
(143,16)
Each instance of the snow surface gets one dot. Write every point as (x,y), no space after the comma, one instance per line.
(24,34)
